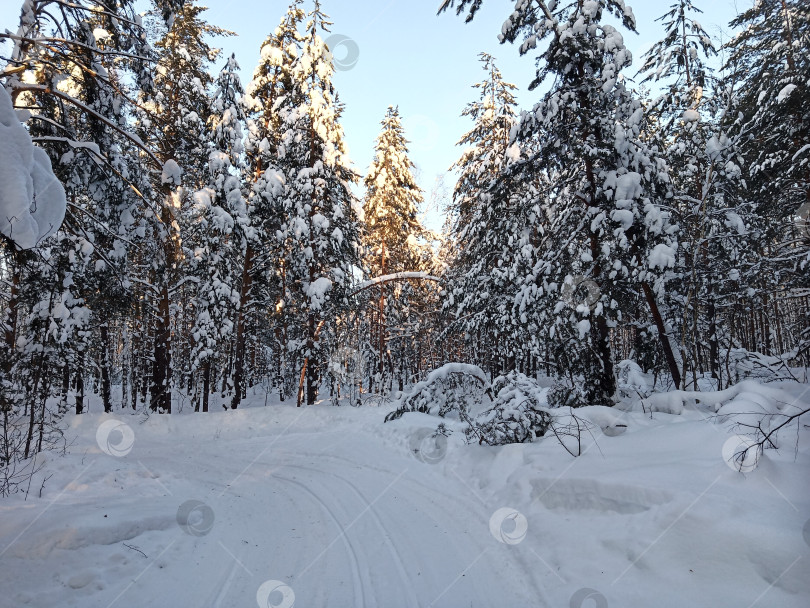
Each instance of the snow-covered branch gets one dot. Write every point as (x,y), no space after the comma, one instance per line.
(397,276)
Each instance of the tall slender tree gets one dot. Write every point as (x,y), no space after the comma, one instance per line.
(394,239)
(318,238)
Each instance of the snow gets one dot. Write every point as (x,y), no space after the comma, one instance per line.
(785,92)
(445,370)
(690,116)
(171,173)
(32,201)
(735,222)
(397,276)
(327,506)
(512,154)
(662,256)
(628,187)
(317,290)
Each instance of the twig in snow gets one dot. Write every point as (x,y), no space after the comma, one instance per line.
(135,549)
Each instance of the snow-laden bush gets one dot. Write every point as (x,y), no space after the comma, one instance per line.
(631,380)
(454,387)
(566,393)
(519,413)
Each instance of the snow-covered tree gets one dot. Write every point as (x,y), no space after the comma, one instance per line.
(263,277)
(489,232)
(173,120)
(219,221)
(318,237)
(685,125)
(394,241)
(391,205)
(769,69)
(71,71)
(606,225)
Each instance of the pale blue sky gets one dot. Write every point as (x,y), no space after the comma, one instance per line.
(426,64)
(409,56)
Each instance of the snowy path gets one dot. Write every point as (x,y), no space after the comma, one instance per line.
(335,507)
(320,511)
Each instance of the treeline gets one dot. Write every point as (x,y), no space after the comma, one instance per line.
(212,241)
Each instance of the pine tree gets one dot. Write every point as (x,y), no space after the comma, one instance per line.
(174,122)
(769,69)
(220,218)
(263,274)
(704,175)
(71,69)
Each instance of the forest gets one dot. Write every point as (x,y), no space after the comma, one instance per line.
(214,240)
(237,370)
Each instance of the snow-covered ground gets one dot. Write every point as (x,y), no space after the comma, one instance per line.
(326,506)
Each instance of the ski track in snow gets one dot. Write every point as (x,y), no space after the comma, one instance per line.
(330,502)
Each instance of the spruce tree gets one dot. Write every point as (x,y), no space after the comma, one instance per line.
(394,241)
(318,237)
(607,225)
(484,227)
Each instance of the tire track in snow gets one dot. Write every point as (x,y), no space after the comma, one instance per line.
(442,507)
(405,580)
(357,579)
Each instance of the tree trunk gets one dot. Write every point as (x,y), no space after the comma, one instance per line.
(206,384)
(63,405)
(10,325)
(80,383)
(714,350)
(105,370)
(161,366)
(662,333)
(244,299)
(313,364)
